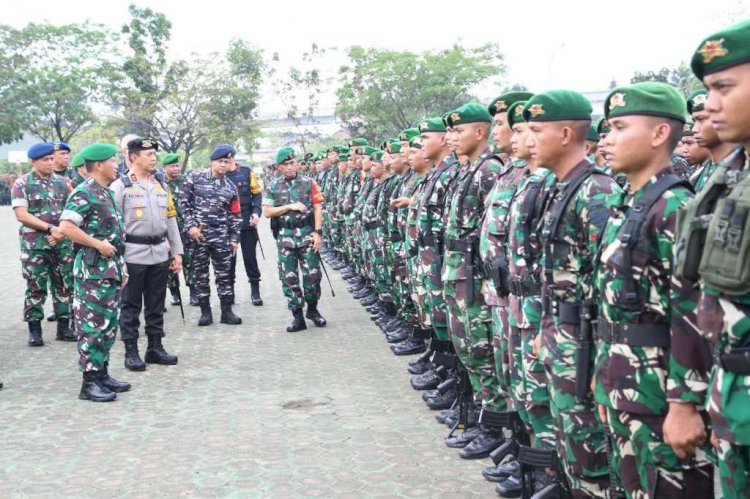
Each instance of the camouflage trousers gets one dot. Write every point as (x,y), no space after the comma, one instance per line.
(173,281)
(734,469)
(417,291)
(580,438)
(503,351)
(434,300)
(38,267)
(96,307)
(376,252)
(534,390)
(469,326)
(292,262)
(648,467)
(214,249)
(406,307)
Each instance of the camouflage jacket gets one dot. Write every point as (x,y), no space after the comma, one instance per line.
(296,226)
(392,225)
(370,213)
(636,379)
(406,190)
(364,192)
(43,198)
(680,167)
(411,229)
(383,209)
(93,209)
(175,188)
(211,202)
(430,220)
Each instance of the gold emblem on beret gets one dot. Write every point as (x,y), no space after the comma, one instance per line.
(713,49)
(501,105)
(519,110)
(403,138)
(536,110)
(455,117)
(424,126)
(351,143)
(56,146)
(700,100)
(147,143)
(617,100)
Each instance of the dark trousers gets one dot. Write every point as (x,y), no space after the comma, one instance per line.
(146,288)
(248,243)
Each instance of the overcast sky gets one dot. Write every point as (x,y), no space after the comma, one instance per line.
(577,44)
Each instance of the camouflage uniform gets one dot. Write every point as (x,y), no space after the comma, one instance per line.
(568,260)
(211,204)
(397,230)
(376,269)
(40,261)
(96,279)
(294,243)
(635,382)
(175,188)
(383,235)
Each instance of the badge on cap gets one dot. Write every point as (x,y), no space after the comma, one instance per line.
(455,117)
(536,110)
(501,105)
(519,110)
(713,49)
(699,100)
(424,126)
(617,100)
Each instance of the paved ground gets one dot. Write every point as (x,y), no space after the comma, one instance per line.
(250,411)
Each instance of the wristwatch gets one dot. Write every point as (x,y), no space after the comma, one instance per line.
(49,229)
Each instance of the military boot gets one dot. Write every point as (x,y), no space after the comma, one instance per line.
(314,315)
(227,316)
(255,293)
(193,298)
(35,334)
(113,384)
(92,388)
(133,361)
(64,333)
(175,292)
(207,318)
(481,447)
(298,323)
(155,353)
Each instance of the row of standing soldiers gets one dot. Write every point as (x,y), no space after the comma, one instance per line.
(584,321)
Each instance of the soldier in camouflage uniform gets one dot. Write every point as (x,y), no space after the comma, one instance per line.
(647,336)
(93,221)
(716,252)
(297,201)
(79,171)
(376,270)
(580,204)
(46,256)
(210,207)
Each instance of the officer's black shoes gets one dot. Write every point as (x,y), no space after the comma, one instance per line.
(52,317)
(298,323)
(227,316)
(463,439)
(175,297)
(64,333)
(314,315)
(133,361)
(483,445)
(114,385)
(207,318)
(510,487)
(35,334)
(92,388)
(255,293)
(500,473)
(193,299)
(426,381)
(409,347)
(155,353)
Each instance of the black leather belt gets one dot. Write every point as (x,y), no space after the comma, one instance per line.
(458,245)
(428,240)
(370,225)
(525,287)
(634,335)
(736,360)
(152,240)
(396,237)
(567,313)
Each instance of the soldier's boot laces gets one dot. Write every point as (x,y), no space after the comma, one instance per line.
(35,334)
(255,293)
(64,333)
(94,390)
(314,315)
(298,323)
(175,296)
(227,316)
(133,361)
(113,384)
(207,318)
(155,353)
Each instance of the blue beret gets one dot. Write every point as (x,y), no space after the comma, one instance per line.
(61,146)
(222,151)
(40,150)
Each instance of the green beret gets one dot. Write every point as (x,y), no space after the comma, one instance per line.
(169,159)
(648,98)
(384,145)
(284,155)
(445,119)
(343,156)
(687,130)
(357,142)
(469,113)
(593,135)
(697,101)
(393,147)
(321,153)
(77,161)
(557,105)
(408,134)
(98,152)
(515,113)
(377,156)
(728,48)
(428,125)
(416,142)
(365,151)
(502,103)
(602,126)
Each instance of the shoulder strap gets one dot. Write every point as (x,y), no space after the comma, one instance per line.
(530,210)
(126,182)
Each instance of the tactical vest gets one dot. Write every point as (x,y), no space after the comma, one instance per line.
(283,195)
(529,213)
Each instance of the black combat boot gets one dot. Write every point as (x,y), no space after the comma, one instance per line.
(64,333)
(501,472)
(481,447)
(298,323)
(133,361)
(410,346)
(207,318)
(314,315)
(227,316)
(52,317)
(35,334)
(155,353)
(255,293)
(113,384)
(175,292)
(92,388)
(193,298)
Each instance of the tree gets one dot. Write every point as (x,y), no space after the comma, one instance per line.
(52,79)
(680,76)
(384,91)
(516,87)
(661,75)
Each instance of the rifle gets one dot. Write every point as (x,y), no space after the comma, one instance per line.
(583,350)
